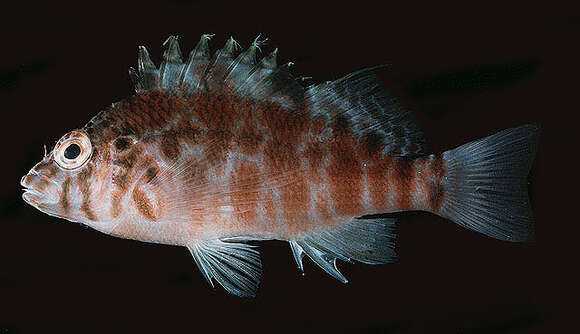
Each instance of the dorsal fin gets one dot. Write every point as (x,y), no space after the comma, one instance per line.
(241,74)
(197,65)
(372,113)
(243,65)
(370,110)
(223,59)
(172,64)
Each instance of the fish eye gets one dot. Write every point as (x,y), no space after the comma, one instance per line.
(73,150)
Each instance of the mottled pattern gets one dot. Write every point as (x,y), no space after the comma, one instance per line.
(230,146)
(280,172)
(220,149)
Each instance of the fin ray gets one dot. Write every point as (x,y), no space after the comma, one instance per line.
(148,75)
(235,266)
(366,240)
(243,65)
(486,187)
(361,98)
(172,64)
(298,253)
(193,73)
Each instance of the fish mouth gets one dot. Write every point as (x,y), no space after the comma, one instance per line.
(31,196)
(39,198)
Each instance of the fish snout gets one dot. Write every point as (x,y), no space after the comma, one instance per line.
(39,190)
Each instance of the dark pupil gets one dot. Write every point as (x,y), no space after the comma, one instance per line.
(72,151)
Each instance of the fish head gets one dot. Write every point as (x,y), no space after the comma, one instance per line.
(59,184)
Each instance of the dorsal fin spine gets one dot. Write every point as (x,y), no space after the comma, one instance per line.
(221,62)
(144,60)
(243,66)
(148,74)
(278,80)
(134,78)
(171,66)
(244,75)
(227,52)
(264,68)
(172,53)
(194,72)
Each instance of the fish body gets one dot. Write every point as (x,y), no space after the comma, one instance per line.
(222,149)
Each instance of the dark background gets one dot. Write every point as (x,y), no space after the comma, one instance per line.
(464,71)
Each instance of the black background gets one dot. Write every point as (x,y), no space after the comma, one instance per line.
(465,72)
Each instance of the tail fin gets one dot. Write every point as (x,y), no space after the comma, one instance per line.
(486,186)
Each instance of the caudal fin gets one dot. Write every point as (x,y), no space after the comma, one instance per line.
(486,184)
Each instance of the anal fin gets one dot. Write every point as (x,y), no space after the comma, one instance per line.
(234,265)
(370,241)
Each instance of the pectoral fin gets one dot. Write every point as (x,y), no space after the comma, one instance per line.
(235,266)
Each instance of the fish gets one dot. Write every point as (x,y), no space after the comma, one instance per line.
(221,150)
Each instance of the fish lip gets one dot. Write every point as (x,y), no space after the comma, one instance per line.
(23,178)
(32,196)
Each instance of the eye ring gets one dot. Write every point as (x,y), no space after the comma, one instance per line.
(73,150)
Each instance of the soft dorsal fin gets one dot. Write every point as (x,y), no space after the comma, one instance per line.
(369,109)
(369,241)
(234,265)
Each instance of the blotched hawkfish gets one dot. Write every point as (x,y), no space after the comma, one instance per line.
(222,149)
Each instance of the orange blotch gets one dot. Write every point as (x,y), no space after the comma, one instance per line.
(246,191)
(143,204)
(437,190)
(314,153)
(170,147)
(64,200)
(187,131)
(377,178)
(295,199)
(401,178)
(282,124)
(83,181)
(248,137)
(345,170)
(280,157)
(116,204)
